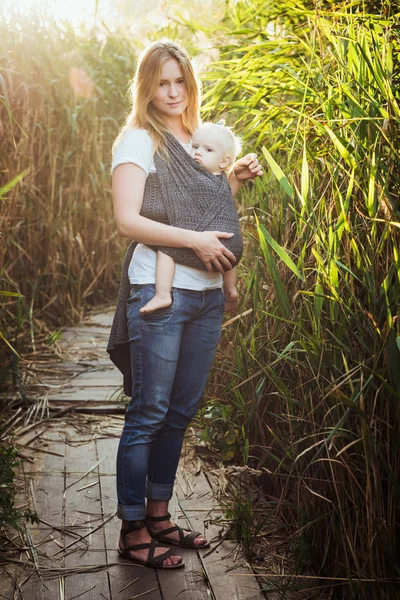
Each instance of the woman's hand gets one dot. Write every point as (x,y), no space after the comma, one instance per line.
(211,251)
(247,167)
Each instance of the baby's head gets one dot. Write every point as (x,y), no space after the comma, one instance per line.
(215,147)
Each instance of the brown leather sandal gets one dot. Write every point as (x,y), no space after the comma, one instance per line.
(185,540)
(154,562)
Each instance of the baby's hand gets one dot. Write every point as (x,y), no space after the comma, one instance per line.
(231,299)
(247,167)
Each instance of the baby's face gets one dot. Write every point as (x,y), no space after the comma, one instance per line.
(209,150)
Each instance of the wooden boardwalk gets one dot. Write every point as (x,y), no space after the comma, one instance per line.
(69,475)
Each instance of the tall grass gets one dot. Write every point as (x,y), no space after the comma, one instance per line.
(59,248)
(312,374)
(308,380)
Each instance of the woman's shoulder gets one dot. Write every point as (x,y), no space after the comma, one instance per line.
(136,137)
(134,146)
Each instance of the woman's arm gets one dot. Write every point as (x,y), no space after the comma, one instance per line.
(128,185)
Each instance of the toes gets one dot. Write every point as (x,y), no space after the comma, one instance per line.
(200,540)
(174,560)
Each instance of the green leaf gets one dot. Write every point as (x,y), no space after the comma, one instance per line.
(281,252)
(13,294)
(281,293)
(318,301)
(6,102)
(305,176)
(227,454)
(344,153)
(8,344)
(279,174)
(11,184)
(230,437)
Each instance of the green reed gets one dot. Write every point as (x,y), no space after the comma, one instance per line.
(63,101)
(313,372)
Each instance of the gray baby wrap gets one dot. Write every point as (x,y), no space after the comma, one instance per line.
(184,194)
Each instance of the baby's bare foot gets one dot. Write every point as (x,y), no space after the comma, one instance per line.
(157,302)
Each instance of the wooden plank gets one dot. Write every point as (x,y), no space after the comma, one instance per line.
(100,380)
(67,367)
(185,584)
(85,332)
(37,588)
(190,582)
(97,376)
(92,408)
(83,394)
(129,580)
(104,319)
(221,567)
(107,449)
(8,576)
(123,575)
(46,491)
(83,511)
(58,386)
(81,347)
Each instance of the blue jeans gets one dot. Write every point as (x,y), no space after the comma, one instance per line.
(172,351)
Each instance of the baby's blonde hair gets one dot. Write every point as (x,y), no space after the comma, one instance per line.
(144,85)
(232,143)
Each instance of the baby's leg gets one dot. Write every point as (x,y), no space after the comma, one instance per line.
(165,271)
(230,290)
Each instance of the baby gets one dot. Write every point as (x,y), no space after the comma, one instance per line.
(214,146)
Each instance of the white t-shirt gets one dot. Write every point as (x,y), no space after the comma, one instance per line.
(136,147)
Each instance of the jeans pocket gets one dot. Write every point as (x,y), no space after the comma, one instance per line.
(135,295)
(162,314)
(133,302)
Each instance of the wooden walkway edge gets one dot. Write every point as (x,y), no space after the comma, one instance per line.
(69,476)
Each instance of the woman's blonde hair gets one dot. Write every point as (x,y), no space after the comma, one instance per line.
(144,85)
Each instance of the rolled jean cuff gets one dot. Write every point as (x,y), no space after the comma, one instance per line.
(136,512)
(159,491)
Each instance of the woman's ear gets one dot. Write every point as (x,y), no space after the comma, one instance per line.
(225,162)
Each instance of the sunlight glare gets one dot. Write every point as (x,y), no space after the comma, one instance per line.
(77,12)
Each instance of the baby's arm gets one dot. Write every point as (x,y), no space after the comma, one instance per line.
(165,271)
(230,291)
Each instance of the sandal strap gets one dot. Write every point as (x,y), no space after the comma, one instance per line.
(138,546)
(158,560)
(152,561)
(166,531)
(158,519)
(189,538)
(185,539)
(130,526)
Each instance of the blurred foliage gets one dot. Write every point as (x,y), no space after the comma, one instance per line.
(64,99)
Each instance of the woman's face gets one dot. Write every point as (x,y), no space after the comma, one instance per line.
(170,97)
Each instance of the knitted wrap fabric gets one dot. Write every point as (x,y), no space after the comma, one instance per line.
(184,194)
(196,199)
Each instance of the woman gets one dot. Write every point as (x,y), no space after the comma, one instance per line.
(171,350)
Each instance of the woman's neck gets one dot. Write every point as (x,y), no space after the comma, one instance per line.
(178,130)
